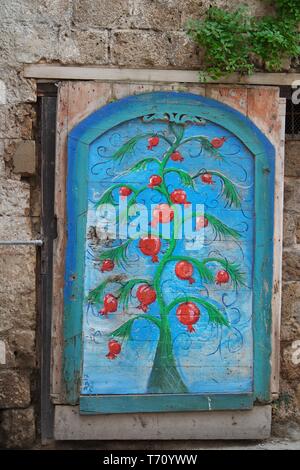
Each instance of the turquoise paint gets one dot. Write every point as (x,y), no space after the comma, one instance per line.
(80,139)
(205,359)
(163,403)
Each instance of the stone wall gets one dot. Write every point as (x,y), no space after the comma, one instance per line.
(131,33)
(287,407)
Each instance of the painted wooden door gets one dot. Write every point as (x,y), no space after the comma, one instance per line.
(169,257)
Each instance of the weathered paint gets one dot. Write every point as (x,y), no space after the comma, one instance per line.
(80,139)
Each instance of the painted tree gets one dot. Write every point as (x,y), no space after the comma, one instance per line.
(165,377)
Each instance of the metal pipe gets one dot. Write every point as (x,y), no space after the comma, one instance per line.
(22,242)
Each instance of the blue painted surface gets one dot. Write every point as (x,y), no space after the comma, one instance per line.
(214,359)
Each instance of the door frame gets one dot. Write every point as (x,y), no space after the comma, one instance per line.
(87,96)
(46,116)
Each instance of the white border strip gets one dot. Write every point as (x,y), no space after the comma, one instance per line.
(63,72)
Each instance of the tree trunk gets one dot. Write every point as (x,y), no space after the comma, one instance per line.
(164,377)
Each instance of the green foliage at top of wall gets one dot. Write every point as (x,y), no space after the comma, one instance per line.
(235,41)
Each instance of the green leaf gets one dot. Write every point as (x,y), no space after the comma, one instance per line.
(233,269)
(206,145)
(126,148)
(95,296)
(117,254)
(140,165)
(222,230)
(186,179)
(214,314)
(124,292)
(203,270)
(229,191)
(106,198)
(124,331)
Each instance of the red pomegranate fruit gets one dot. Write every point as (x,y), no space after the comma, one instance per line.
(217,142)
(201,222)
(110,304)
(163,214)
(153,142)
(184,270)
(178,196)
(107,265)
(114,349)
(207,178)
(177,157)
(124,192)
(222,277)
(150,246)
(155,180)
(188,314)
(146,295)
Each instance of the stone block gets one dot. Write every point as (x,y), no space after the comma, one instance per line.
(20,348)
(101,13)
(35,42)
(137,48)
(194,9)
(17,309)
(35,11)
(13,228)
(14,389)
(18,428)
(14,198)
(289,370)
(17,269)
(298,395)
(289,229)
(16,121)
(292,158)
(198,8)
(18,88)
(85,47)
(24,159)
(2,161)
(159,15)
(291,265)
(183,53)
(290,323)
(140,48)
(292,195)
(25,43)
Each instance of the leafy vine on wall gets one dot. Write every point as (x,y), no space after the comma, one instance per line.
(235,41)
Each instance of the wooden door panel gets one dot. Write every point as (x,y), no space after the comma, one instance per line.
(191,332)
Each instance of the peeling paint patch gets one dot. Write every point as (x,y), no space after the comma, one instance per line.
(2,352)
(209,403)
(2,92)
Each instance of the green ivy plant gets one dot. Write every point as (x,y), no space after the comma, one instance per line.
(235,41)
